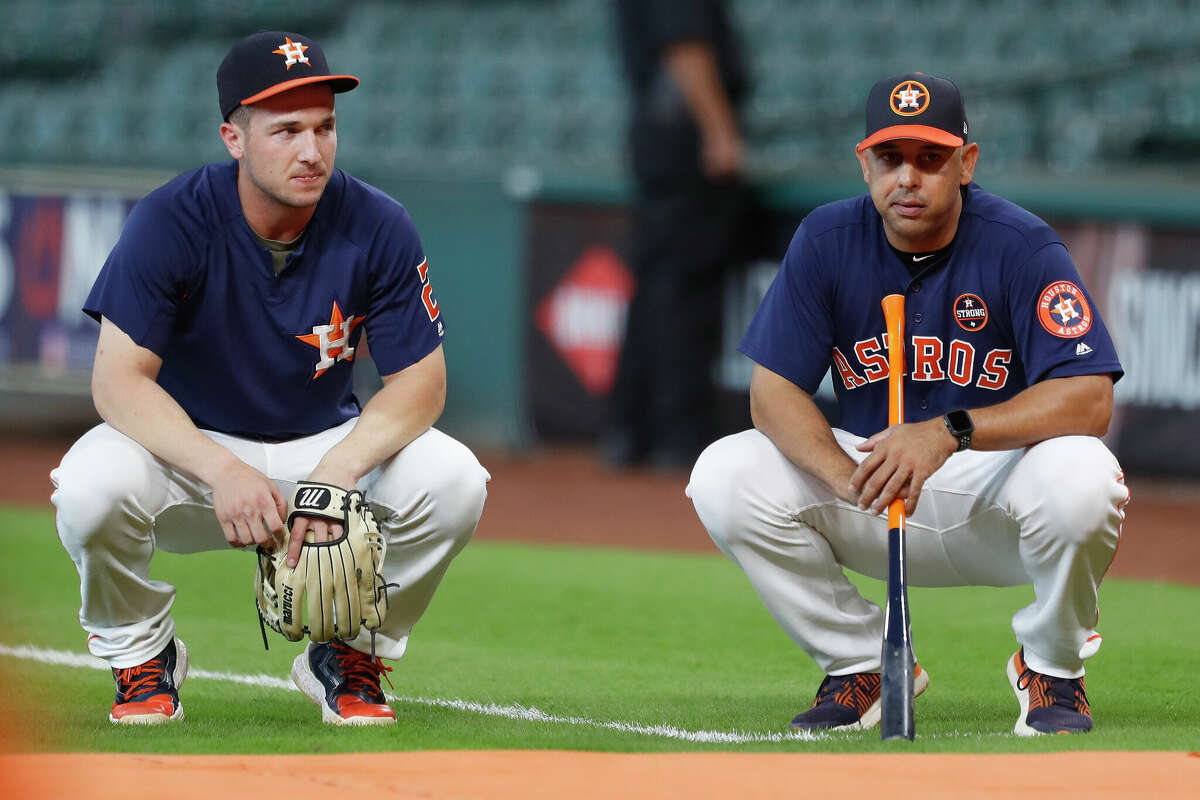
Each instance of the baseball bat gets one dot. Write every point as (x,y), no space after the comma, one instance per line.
(896,690)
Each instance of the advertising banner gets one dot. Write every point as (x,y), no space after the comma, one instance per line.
(51,249)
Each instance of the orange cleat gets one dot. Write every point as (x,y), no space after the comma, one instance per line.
(148,694)
(344,683)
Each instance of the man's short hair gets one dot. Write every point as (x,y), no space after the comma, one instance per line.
(240,117)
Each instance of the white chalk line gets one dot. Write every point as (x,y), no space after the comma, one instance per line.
(511,711)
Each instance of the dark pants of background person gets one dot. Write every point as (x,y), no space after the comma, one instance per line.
(683,242)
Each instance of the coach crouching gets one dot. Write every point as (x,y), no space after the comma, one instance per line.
(1008,387)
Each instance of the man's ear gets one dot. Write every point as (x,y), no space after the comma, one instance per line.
(863,155)
(970,157)
(234,139)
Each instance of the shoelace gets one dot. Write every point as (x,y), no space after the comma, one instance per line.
(135,680)
(361,670)
(1046,690)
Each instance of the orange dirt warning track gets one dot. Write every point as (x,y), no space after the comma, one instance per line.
(528,774)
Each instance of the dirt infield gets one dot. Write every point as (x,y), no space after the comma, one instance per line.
(529,775)
(568,497)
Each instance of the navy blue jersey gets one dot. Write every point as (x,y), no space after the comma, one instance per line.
(249,352)
(1006,309)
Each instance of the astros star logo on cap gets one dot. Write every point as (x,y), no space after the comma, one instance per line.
(292,51)
(910,98)
(902,107)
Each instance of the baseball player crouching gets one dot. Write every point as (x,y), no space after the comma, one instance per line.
(1009,383)
(230,313)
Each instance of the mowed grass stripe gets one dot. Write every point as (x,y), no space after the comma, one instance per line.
(677,640)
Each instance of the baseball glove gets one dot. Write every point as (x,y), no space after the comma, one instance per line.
(338,583)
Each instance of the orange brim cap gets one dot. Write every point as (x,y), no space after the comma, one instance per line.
(922,133)
(267,63)
(342,83)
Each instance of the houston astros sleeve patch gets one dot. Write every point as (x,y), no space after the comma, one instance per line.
(1063,310)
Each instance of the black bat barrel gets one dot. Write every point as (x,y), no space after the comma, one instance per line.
(896,690)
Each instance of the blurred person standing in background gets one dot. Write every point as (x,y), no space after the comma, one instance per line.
(687,78)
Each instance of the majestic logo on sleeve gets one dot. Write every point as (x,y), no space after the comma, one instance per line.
(293,52)
(910,98)
(332,340)
(970,313)
(1063,310)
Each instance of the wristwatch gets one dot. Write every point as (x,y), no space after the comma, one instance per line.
(959,423)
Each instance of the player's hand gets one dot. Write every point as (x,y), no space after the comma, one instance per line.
(901,458)
(249,506)
(721,155)
(322,530)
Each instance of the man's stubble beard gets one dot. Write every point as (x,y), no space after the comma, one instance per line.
(248,165)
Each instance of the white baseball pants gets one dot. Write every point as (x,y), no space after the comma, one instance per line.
(117,504)
(1049,515)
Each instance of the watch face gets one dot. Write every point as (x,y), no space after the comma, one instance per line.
(960,422)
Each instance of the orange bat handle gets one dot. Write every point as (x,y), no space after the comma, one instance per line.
(893,313)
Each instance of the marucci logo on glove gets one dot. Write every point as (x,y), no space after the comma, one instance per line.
(312,498)
(288,592)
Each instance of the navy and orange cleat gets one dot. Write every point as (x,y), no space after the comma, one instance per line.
(1048,704)
(148,694)
(344,683)
(851,702)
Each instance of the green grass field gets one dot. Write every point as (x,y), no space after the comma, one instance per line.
(593,649)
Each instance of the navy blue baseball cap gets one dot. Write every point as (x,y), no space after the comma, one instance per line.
(915,106)
(269,62)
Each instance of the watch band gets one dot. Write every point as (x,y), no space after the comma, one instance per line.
(961,427)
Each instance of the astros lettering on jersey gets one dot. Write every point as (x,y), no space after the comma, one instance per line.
(1005,310)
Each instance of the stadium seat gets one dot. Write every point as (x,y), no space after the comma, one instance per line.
(473,85)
